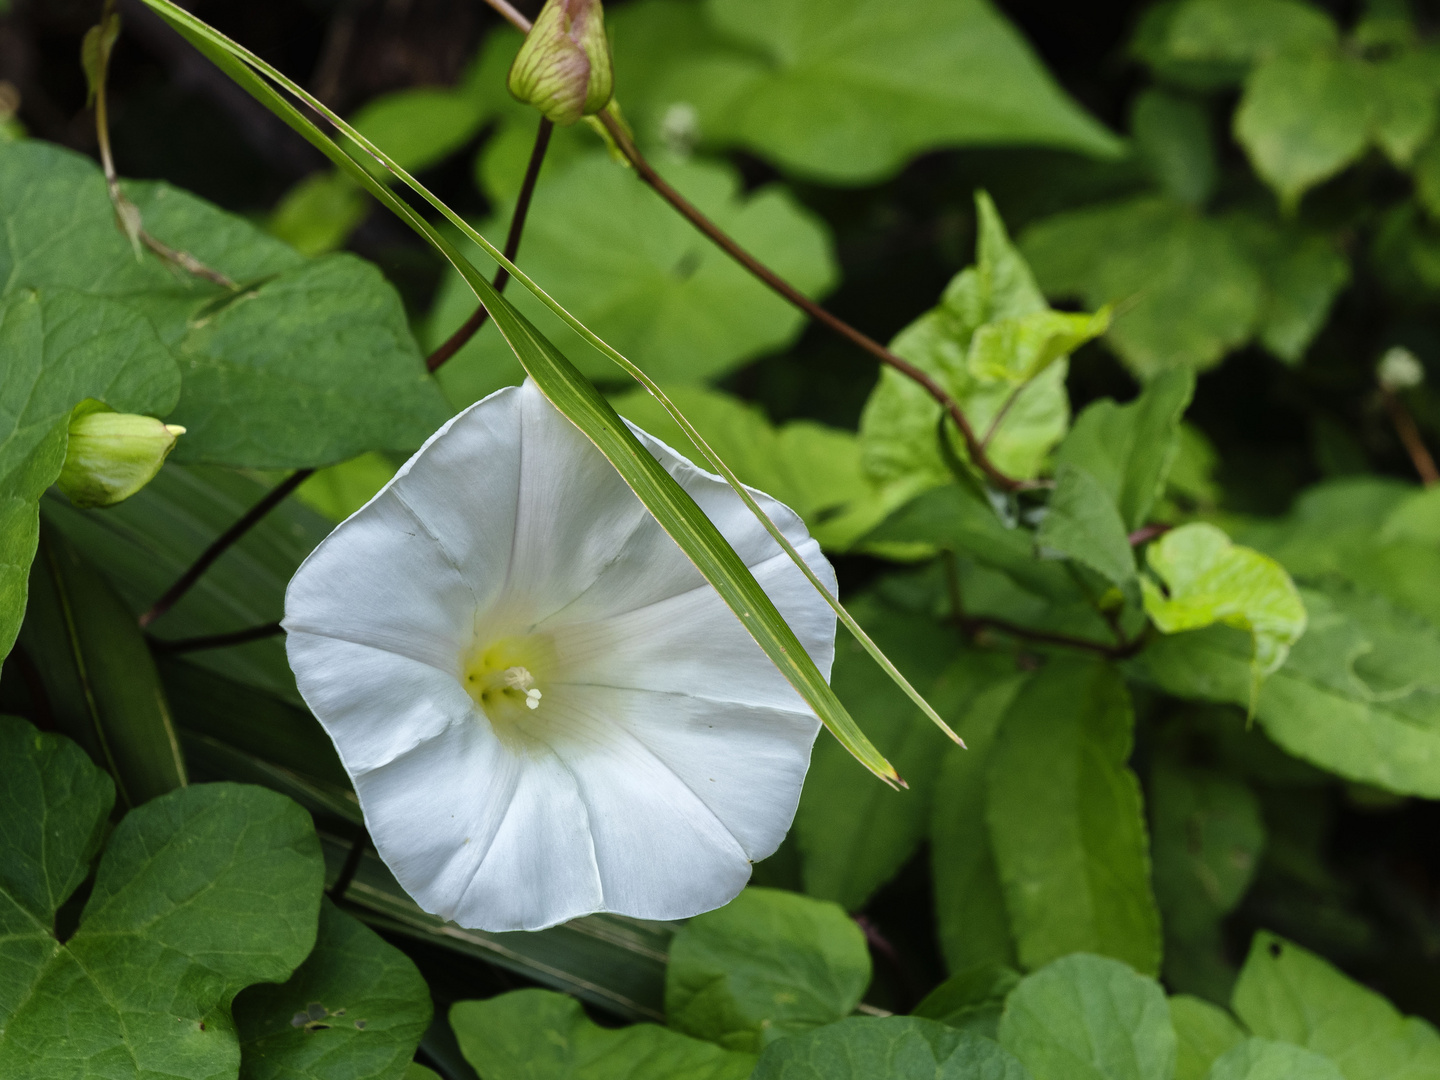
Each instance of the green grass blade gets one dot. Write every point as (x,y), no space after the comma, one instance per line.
(574,396)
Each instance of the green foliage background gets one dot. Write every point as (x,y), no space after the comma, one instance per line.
(1154,250)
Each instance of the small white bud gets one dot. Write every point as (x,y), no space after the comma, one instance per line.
(1399,369)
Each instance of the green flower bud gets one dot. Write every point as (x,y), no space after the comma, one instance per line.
(112,455)
(564,68)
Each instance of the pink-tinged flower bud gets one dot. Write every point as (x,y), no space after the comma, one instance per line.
(564,67)
(112,455)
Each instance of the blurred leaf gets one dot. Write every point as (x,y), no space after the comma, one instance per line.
(615,962)
(337,491)
(199,893)
(1065,819)
(318,214)
(1172,134)
(1207,835)
(813,469)
(1404,103)
(1207,579)
(143,545)
(1247,30)
(61,348)
(970,913)
(853,838)
(1130,449)
(641,277)
(420,126)
(1262,1059)
(1358,695)
(100,682)
(972,999)
(767,965)
(895,1047)
(541,1035)
(1082,523)
(1303,118)
(1090,1018)
(1203,1032)
(246,399)
(356,1008)
(898,429)
(847,93)
(420,1072)
(1187,291)
(1290,994)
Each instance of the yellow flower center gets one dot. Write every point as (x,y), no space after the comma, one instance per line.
(506,679)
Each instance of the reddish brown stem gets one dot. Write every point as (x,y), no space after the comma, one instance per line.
(217,641)
(222,544)
(1410,436)
(456,341)
(973,624)
(1146,533)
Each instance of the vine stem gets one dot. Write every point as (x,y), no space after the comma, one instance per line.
(783,288)
(472,325)
(1410,436)
(175,646)
(449,348)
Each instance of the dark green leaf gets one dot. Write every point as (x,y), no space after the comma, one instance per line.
(1290,994)
(1130,449)
(970,910)
(767,965)
(373,1008)
(1083,523)
(1065,820)
(100,682)
(854,838)
(896,1047)
(1090,1018)
(971,1000)
(246,399)
(640,276)
(1172,134)
(199,893)
(541,1035)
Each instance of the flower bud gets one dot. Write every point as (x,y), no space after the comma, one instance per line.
(1399,369)
(564,68)
(112,455)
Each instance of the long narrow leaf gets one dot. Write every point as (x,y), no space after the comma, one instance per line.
(573,395)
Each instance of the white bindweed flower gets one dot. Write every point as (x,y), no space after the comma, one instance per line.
(544,707)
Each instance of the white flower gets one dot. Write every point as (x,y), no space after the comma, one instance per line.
(545,709)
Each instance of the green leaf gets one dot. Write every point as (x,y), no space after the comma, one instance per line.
(245,400)
(199,893)
(853,840)
(1404,103)
(898,427)
(1290,994)
(421,126)
(1357,696)
(895,1047)
(318,214)
(1303,118)
(1207,837)
(1065,819)
(1016,350)
(143,545)
(356,1008)
(337,491)
(1172,133)
(1207,580)
(813,469)
(1090,1018)
(972,999)
(61,348)
(1082,523)
(847,93)
(99,679)
(541,1035)
(1130,449)
(970,914)
(420,1072)
(1242,31)
(1203,1032)
(1187,290)
(641,277)
(1264,1059)
(765,966)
